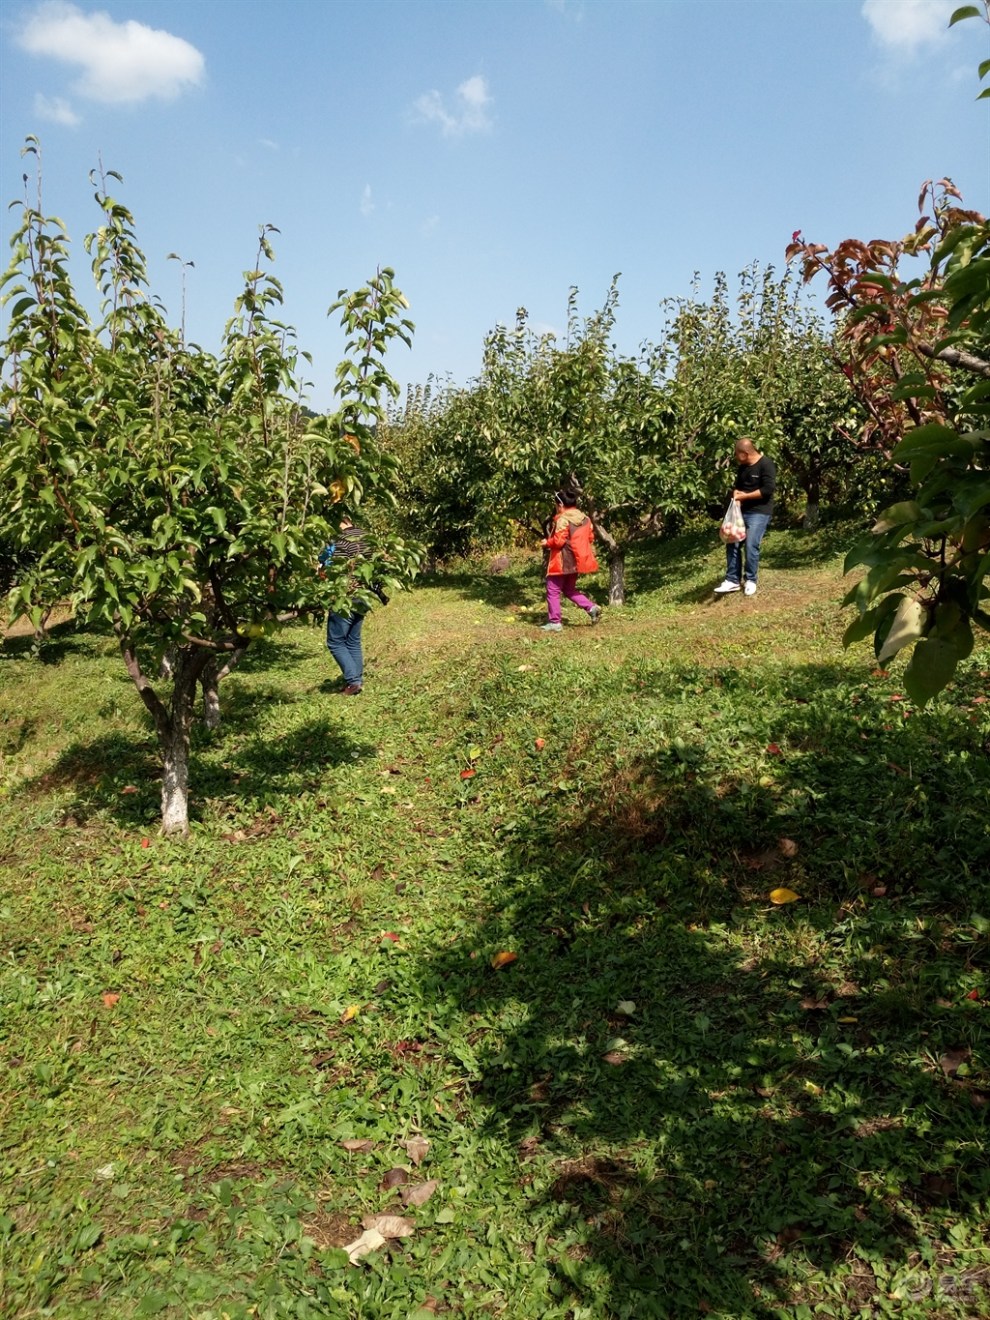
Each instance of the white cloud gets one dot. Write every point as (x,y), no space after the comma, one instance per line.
(269,143)
(905,25)
(120,62)
(55,110)
(367,201)
(468,114)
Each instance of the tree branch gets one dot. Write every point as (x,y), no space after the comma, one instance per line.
(957,357)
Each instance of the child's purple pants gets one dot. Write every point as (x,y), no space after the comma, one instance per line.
(564,584)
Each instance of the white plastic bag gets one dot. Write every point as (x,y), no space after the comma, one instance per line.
(733,528)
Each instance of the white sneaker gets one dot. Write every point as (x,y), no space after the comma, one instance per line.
(725,587)
(750,589)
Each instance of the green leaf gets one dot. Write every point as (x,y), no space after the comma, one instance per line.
(930,669)
(964,11)
(907,511)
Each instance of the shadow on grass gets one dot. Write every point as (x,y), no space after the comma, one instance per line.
(61,641)
(712,1128)
(119,776)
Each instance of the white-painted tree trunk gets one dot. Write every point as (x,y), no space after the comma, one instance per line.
(616,577)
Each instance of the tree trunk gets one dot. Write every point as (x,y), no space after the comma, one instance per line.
(616,563)
(616,577)
(213,674)
(175,782)
(813,492)
(172,724)
(174,740)
(211,696)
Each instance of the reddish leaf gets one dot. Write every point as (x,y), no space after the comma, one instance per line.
(390,935)
(973,994)
(503,959)
(540,744)
(469,773)
(145,843)
(394,1178)
(110,1000)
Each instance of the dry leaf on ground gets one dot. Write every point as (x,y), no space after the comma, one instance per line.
(389,1226)
(369,1241)
(416,1148)
(420,1194)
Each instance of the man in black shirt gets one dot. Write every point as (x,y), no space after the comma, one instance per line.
(755,484)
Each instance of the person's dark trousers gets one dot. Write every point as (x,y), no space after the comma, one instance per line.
(344,644)
(756,525)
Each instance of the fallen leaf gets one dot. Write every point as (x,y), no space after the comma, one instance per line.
(782,896)
(469,773)
(419,1194)
(814,1005)
(540,743)
(145,843)
(474,752)
(847,1021)
(369,1241)
(524,669)
(503,959)
(128,788)
(110,1000)
(394,1178)
(626,1007)
(614,1057)
(773,749)
(350,1012)
(389,1226)
(788,848)
(358,1144)
(416,1148)
(389,935)
(973,994)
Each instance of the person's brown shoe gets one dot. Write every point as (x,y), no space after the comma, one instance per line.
(352,689)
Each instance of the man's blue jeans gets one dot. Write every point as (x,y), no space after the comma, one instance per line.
(756,525)
(344,644)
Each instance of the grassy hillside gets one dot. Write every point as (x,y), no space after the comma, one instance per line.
(679,1098)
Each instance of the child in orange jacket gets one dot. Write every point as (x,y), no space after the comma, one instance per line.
(568,544)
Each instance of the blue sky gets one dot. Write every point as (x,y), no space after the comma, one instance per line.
(494,152)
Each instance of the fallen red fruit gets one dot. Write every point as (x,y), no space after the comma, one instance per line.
(145,843)
(973,994)
(540,744)
(773,749)
(469,773)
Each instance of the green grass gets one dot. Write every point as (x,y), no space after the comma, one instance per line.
(787,1116)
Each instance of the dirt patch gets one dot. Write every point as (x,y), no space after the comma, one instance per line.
(328,1230)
